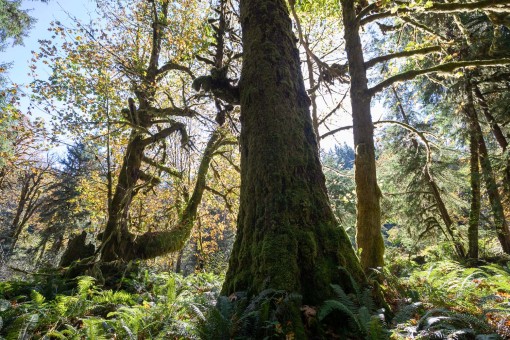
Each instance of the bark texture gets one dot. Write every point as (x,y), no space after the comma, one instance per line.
(500,223)
(474,141)
(287,236)
(368,210)
(119,243)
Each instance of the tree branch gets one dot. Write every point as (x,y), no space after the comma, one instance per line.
(149,179)
(420,51)
(171,111)
(446,68)
(423,28)
(176,126)
(168,170)
(332,132)
(171,66)
(453,7)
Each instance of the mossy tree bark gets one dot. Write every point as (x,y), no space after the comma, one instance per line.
(117,242)
(500,223)
(474,174)
(287,236)
(368,210)
(120,244)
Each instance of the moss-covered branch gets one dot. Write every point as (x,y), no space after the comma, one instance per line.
(445,68)
(176,126)
(153,244)
(219,85)
(166,169)
(171,112)
(403,54)
(171,66)
(423,28)
(436,7)
(149,179)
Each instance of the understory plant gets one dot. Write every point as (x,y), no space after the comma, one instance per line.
(147,305)
(447,300)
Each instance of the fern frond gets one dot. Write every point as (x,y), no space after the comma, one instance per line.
(330,306)
(37,298)
(367,300)
(407,312)
(344,298)
(85,283)
(364,319)
(197,311)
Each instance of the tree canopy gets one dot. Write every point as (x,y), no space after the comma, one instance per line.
(193,156)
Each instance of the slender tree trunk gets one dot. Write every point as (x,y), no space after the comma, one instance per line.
(501,225)
(287,236)
(445,216)
(502,141)
(436,194)
(23,199)
(496,130)
(368,211)
(474,213)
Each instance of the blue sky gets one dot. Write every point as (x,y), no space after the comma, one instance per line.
(20,55)
(44,13)
(64,11)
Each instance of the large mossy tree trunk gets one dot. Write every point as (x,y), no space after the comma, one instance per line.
(287,236)
(368,210)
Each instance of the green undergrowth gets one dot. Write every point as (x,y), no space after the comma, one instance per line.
(437,300)
(447,300)
(148,305)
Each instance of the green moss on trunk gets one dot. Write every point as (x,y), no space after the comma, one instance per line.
(287,236)
(474,178)
(368,209)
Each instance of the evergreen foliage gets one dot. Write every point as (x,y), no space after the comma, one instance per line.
(148,305)
(364,321)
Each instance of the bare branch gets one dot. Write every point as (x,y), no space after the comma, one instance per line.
(332,132)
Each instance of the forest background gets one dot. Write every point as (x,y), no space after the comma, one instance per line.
(146,99)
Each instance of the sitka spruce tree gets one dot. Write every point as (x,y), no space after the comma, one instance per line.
(287,236)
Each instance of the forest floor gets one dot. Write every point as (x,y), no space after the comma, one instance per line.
(434,300)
